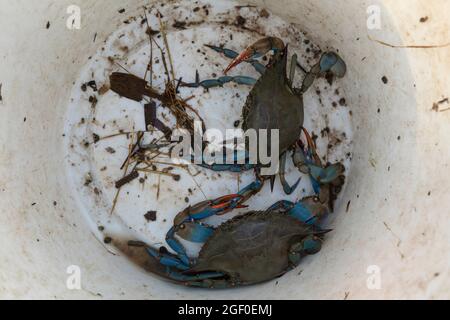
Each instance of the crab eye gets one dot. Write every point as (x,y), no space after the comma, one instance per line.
(316,199)
(182,227)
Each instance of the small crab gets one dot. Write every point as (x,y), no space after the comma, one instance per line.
(274,103)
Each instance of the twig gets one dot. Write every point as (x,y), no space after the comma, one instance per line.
(158,192)
(133,149)
(150,64)
(125,69)
(117,135)
(409,46)
(245,6)
(198,186)
(162,173)
(166,43)
(116,198)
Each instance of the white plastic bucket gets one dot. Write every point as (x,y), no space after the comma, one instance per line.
(391,238)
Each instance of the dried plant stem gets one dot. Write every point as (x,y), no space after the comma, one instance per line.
(166,43)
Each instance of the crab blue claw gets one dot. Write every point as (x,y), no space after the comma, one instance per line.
(303,213)
(286,187)
(220,82)
(328,174)
(332,62)
(308,246)
(311,245)
(195,232)
(259,67)
(249,81)
(176,246)
(241,163)
(167,259)
(227,52)
(290,189)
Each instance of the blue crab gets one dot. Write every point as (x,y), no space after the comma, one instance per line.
(274,103)
(252,248)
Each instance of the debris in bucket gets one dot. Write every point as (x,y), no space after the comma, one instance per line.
(108,240)
(88,180)
(93,85)
(151,216)
(150,96)
(437,105)
(127,179)
(151,119)
(110,150)
(188,224)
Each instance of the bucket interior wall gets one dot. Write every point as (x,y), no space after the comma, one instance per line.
(393,220)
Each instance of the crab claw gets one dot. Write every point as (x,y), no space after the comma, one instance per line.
(332,62)
(256,50)
(245,55)
(226,202)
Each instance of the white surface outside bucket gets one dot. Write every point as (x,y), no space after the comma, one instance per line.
(396,224)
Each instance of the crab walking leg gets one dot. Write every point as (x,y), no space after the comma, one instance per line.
(296,210)
(236,167)
(176,246)
(308,162)
(212,284)
(167,259)
(286,187)
(177,276)
(309,210)
(220,82)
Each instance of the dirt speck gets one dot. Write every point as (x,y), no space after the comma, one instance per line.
(151,216)
(424,19)
(110,150)
(241,21)
(264,13)
(179,25)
